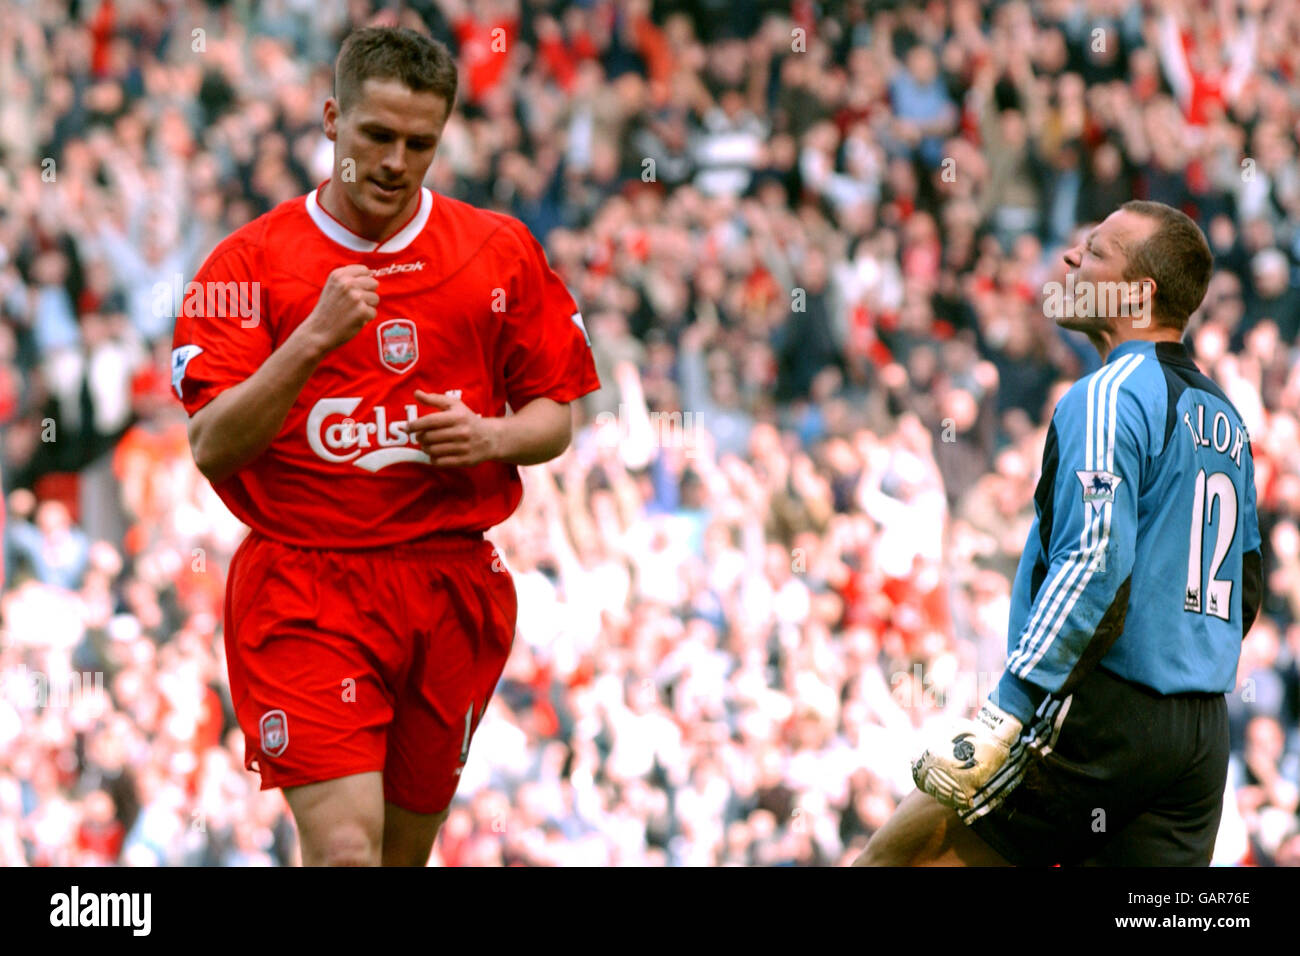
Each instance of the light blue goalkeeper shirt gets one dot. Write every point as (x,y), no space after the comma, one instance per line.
(1144,555)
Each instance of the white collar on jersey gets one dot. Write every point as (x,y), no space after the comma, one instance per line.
(345,237)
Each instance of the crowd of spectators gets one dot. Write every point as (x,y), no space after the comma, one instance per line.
(810,241)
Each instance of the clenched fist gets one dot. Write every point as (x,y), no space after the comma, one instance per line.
(348,301)
(959,766)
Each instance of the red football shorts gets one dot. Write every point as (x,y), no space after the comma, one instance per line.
(344,662)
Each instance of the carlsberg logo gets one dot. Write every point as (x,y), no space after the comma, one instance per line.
(371,444)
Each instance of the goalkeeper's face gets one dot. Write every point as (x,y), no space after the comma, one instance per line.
(1102,296)
(383,145)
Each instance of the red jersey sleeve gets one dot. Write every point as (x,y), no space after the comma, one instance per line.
(222,336)
(546,348)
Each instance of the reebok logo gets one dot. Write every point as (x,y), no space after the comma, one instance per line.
(399,267)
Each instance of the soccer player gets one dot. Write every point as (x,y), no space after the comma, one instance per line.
(346,360)
(1106,740)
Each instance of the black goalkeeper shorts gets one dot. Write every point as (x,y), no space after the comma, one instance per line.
(1112,775)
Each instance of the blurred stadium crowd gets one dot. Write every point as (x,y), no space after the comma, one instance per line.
(810,241)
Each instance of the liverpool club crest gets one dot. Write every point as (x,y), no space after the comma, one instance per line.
(398,346)
(275,732)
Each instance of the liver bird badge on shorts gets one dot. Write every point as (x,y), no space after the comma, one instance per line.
(398,345)
(275,732)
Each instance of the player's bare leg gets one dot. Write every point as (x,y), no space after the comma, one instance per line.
(341,821)
(923,832)
(408,837)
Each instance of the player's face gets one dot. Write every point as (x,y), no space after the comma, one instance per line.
(1097,262)
(383,146)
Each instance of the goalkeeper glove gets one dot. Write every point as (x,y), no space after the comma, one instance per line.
(955,769)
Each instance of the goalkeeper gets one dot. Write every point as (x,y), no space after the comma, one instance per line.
(1106,739)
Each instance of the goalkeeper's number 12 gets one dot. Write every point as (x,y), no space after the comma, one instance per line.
(1218,593)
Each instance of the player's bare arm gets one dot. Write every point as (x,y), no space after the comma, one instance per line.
(239,424)
(457,437)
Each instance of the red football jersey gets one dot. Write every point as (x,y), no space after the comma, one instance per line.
(468,305)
